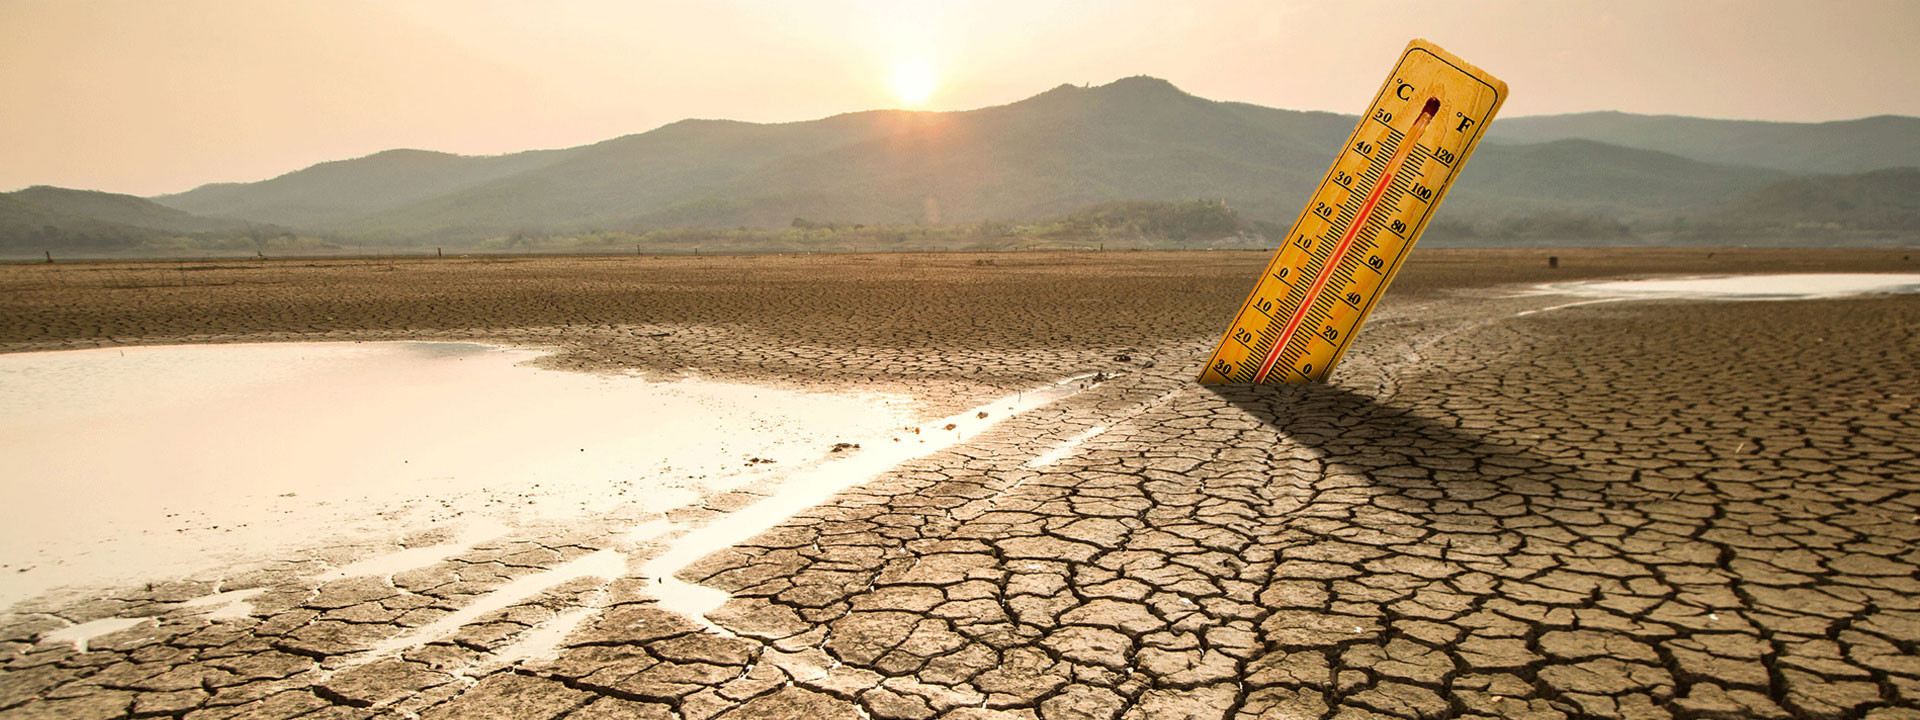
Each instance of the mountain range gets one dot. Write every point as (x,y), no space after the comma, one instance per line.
(1050,155)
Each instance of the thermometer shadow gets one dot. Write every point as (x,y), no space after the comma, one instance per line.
(1399,449)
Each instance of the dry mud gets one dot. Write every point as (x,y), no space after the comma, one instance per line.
(1622,510)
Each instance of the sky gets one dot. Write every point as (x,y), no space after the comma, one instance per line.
(147,97)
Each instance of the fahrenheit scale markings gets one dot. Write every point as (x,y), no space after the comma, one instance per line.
(1357,228)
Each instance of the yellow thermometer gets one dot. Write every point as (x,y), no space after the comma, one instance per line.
(1361,222)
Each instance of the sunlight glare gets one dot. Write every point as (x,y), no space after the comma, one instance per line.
(913,83)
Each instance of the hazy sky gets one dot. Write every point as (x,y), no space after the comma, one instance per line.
(145,96)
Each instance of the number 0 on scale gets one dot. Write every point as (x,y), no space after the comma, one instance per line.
(1363,218)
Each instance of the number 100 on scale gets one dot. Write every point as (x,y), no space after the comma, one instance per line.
(1360,223)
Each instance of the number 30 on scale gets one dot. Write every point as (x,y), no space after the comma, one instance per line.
(1362,220)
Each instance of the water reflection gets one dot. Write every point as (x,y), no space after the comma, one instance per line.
(128,464)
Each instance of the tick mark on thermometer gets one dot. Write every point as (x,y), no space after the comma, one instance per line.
(1333,260)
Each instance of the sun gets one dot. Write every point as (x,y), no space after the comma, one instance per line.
(913,83)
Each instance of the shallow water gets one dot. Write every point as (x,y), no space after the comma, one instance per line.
(142,463)
(1795,286)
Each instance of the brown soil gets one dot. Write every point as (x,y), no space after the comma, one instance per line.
(990,321)
(1639,509)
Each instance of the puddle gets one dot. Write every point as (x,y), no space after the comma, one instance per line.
(80,634)
(133,464)
(231,605)
(395,563)
(1807,286)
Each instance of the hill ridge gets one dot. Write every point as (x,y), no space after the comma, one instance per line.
(1059,151)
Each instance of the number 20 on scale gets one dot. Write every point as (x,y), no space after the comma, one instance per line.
(1360,223)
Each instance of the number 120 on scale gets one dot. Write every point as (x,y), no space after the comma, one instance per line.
(1361,221)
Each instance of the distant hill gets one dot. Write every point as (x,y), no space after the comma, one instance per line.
(30,228)
(1595,178)
(1061,151)
(331,193)
(123,210)
(61,220)
(1050,155)
(1882,200)
(1844,146)
(1062,162)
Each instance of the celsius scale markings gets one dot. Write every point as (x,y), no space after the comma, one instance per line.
(1357,228)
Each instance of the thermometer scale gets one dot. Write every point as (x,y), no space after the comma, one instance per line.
(1360,223)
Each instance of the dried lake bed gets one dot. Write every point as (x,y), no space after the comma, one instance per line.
(1651,508)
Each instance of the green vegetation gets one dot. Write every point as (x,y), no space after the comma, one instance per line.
(1198,224)
(1195,224)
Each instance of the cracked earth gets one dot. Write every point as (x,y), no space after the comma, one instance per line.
(1645,509)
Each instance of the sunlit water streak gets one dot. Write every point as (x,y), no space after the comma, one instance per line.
(126,465)
(1786,286)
